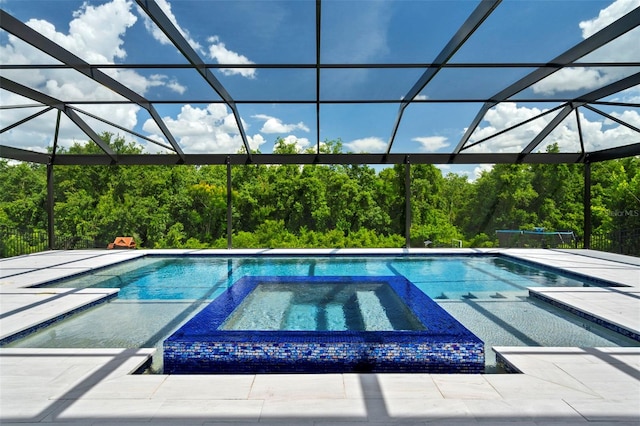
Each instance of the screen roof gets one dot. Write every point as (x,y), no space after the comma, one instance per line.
(211,82)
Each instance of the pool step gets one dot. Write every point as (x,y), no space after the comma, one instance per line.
(475,296)
(302,317)
(374,315)
(272,307)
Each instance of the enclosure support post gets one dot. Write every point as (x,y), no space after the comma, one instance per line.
(229,206)
(407,203)
(587,205)
(51,233)
(50,228)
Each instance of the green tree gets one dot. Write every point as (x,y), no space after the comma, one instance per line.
(560,188)
(615,195)
(209,210)
(502,198)
(23,195)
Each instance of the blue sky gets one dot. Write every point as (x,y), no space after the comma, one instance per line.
(363,31)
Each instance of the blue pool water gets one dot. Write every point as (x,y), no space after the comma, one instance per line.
(322,306)
(487,294)
(194,278)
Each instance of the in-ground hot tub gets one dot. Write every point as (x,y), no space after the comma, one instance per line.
(323,325)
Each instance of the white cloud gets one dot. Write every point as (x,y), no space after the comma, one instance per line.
(159,35)
(631,96)
(598,132)
(431,143)
(631,117)
(301,143)
(216,50)
(152,148)
(219,52)
(38,134)
(206,130)
(163,80)
(275,125)
(477,172)
(255,141)
(607,16)
(604,133)
(175,86)
(368,145)
(95,34)
(508,114)
(623,49)
(573,79)
(417,98)
(501,117)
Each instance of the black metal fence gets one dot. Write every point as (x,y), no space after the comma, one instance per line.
(16,242)
(621,241)
(536,239)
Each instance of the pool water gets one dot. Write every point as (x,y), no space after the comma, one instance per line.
(204,277)
(322,307)
(487,294)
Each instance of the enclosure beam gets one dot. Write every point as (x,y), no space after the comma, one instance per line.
(597,40)
(37,96)
(157,15)
(479,15)
(34,38)
(330,159)
(615,153)
(18,154)
(550,127)
(301,159)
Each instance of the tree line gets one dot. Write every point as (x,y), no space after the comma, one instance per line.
(313,205)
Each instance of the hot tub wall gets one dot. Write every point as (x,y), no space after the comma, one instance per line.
(182,357)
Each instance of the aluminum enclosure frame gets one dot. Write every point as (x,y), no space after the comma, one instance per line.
(591,100)
(459,155)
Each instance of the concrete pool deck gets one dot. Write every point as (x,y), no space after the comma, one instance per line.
(568,386)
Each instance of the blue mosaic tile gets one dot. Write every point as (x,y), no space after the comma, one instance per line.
(442,346)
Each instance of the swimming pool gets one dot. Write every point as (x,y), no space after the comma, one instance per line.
(488,294)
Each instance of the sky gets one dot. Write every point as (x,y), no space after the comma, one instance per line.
(364,31)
